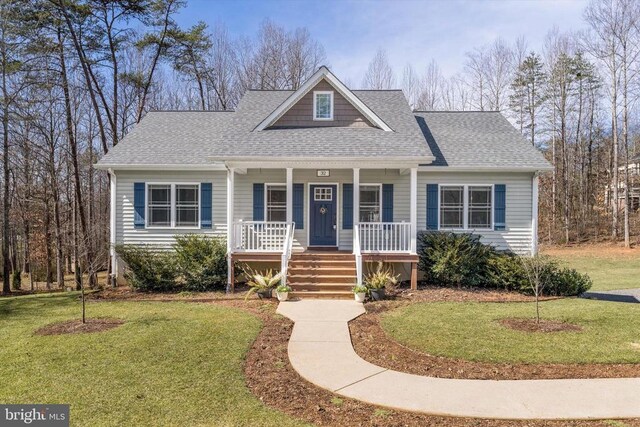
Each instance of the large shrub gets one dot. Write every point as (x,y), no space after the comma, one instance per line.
(148,269)
(449,259)
(454,259)
(201,262)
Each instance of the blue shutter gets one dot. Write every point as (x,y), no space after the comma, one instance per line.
(298,206)
(432,206)
(258,202)
(205,205)
(139,201)
(499,213)
(387,202)
(347,206)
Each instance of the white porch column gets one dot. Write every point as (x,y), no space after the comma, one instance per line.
(413,207)
(534,214)
(356,196)
(289,195)
(230,231)
(112,228)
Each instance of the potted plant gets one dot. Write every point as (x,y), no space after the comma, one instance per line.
(282,292)
(360,292)
(378,281)
(262,284)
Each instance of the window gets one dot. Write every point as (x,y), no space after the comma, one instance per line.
(322,105)
(479,207)
(452,206)
(323,193)
(370,203)
(173,205)
(276,205)
(159,205)
(186,205)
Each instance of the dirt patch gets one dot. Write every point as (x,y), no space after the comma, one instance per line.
(530,325)
(599,250)
(273,380)
(374,345)
(77,327)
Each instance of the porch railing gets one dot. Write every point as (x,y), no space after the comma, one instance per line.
(260,236)
(286,252)
(358,254)
(384,237)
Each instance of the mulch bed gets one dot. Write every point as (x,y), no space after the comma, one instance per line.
(77,327)
(530,325)
(374,345)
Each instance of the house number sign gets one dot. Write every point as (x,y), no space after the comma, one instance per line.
(322,172)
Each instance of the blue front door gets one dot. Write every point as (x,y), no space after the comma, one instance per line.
(323,221)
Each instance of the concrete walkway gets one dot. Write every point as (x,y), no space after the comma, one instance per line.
(320,351)
(620,295)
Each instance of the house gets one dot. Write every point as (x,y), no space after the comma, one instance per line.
(323,180)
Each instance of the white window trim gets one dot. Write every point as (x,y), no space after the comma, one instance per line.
(465,201)
(266,198)
(379,185)
(173,212)
(331,96)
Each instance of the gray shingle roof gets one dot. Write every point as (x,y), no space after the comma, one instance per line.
(474,139)
(456,139)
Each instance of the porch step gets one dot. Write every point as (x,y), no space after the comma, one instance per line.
(343,287)
(328,277)
(322,294)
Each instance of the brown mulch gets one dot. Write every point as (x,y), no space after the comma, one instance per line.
(77,327)
(125,293)
(530,325)
(272,379)
(374,345)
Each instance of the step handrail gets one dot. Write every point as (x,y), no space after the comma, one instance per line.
(286,251)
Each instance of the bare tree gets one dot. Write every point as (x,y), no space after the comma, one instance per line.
(534,267)
(379,73)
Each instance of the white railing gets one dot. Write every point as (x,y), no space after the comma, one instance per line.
(358,254)
(286,252)
(260,236)
(384,237)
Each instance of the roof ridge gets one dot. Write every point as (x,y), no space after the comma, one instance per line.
(192,111)
(456,111)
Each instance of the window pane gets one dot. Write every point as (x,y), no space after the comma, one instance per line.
(323,106)
(160,216)
(452,207)
(159,194)
(479,207)
(276,203)
(159,205)
(186,216)
(187,194)
(369,203)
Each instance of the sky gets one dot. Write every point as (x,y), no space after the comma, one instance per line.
(410,31)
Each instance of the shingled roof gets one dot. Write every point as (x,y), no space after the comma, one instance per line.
(477,140)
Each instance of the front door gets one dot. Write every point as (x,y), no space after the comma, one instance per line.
(323,221)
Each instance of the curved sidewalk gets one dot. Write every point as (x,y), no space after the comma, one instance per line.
(320,351)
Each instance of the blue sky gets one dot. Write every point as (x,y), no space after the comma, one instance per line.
(411,31)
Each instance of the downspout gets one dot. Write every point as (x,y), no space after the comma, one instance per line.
(534,213)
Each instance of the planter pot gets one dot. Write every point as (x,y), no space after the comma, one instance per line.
(377,294)
(360,296)
(265,293)
(282,296)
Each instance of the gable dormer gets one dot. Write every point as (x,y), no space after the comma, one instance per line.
(322,106)
(322,101)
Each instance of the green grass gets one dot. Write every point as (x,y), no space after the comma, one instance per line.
(609,268)
(471,331)
(169,364)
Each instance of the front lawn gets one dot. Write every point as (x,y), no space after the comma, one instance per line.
(610,267)
(169,364)
(472,331)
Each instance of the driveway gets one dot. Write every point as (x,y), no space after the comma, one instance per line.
(622,295)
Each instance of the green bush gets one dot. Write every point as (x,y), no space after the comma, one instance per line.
(147,269)
(16,279)
(201,262)
(454,259)
(449,259)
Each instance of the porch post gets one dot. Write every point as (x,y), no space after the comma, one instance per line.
(289,195)
(413,215)
(356,196)
(230,232)
(112,230)
(534,214)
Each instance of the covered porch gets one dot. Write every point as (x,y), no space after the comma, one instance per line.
(368,213)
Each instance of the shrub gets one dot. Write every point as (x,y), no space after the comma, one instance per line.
(16,279)
(566,282)
(147,269)
(201,262)
(381,277)
(454,259)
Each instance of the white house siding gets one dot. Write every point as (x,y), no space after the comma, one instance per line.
(518,234)
(243,206)
(164,237)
